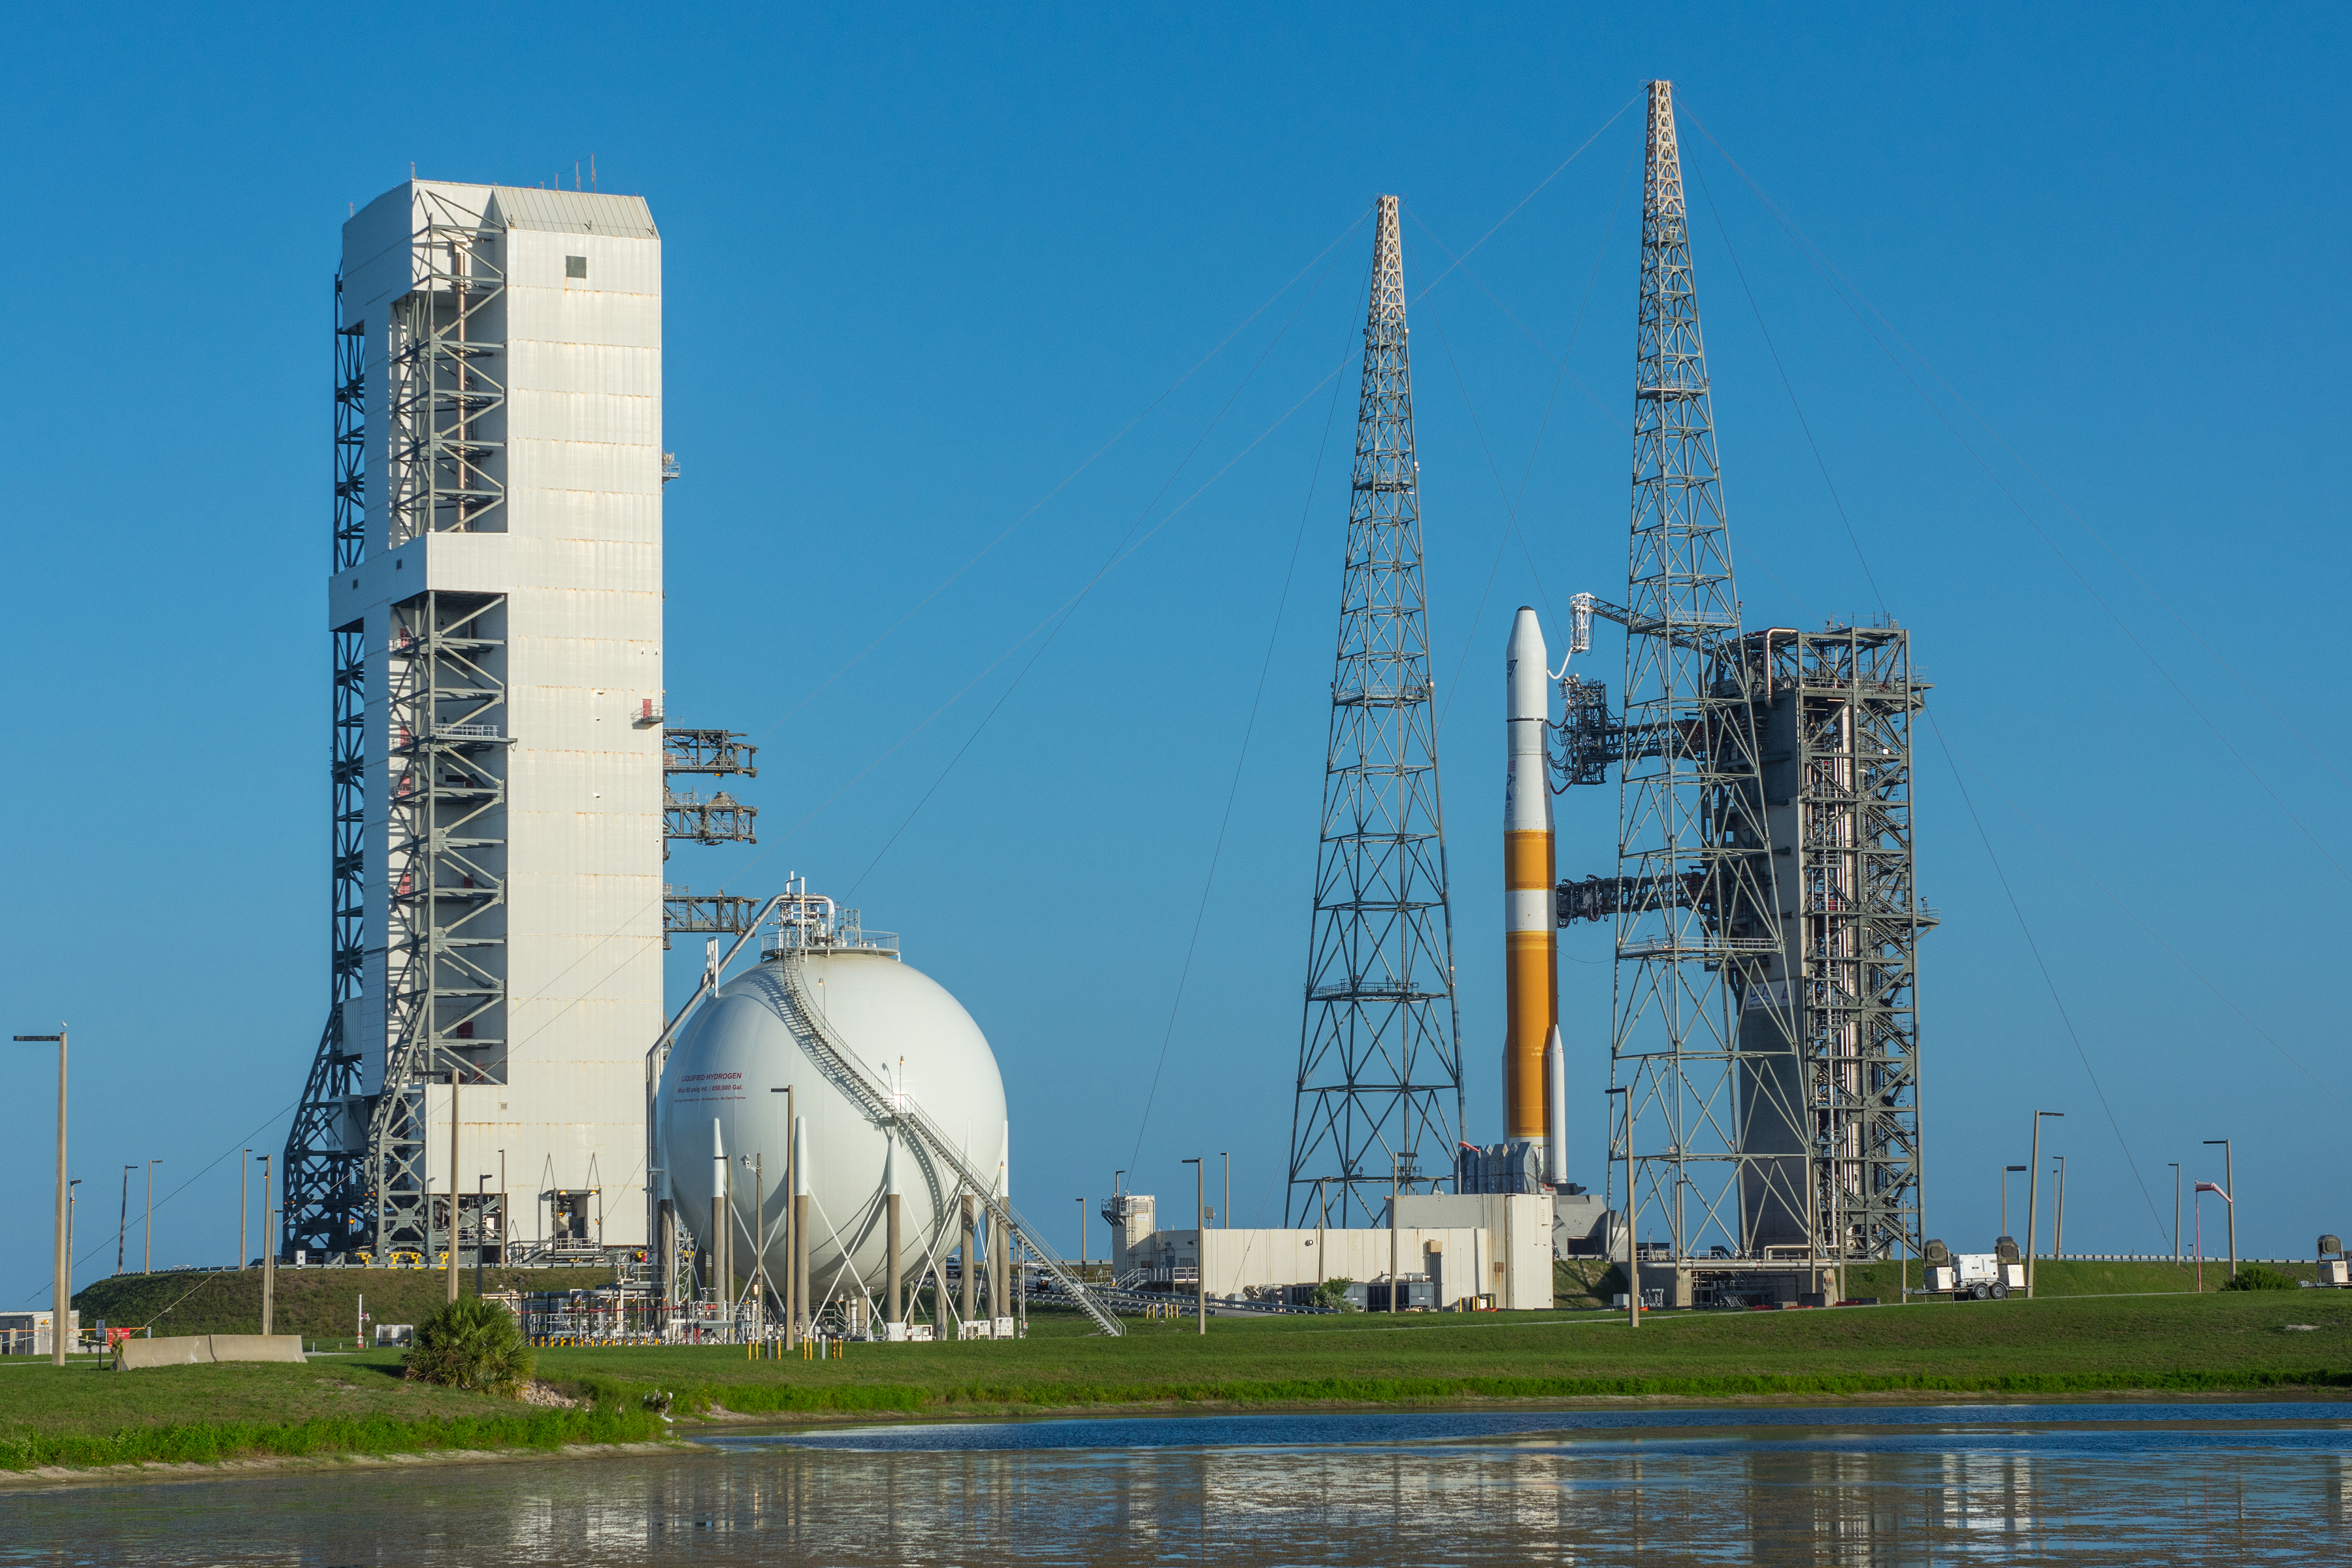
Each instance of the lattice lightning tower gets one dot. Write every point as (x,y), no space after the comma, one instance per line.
(1704,1036)
(1379,1062)
(1768,920)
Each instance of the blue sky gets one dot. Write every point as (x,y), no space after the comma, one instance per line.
(922,265)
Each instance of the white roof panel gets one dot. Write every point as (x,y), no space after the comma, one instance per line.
(571,212)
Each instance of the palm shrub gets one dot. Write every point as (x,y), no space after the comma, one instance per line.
(472,1343)
(1334,1293)
(2254,1277)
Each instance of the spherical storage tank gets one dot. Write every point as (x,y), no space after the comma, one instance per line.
(739,1046)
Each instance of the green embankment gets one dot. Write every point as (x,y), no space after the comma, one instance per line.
(2061,1344)
(1585,1283)
(2087,1277)
(320,1304)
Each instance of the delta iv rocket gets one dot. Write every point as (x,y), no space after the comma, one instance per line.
(1533,1093)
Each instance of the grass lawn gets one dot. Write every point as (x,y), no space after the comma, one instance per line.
(320,1304)
(2060,1345)
(2215,1342)
(86,1413)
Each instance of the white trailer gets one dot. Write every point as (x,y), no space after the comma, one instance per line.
(1976,1277)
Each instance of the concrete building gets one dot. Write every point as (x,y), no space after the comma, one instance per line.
(497,615)
(1584,1225)
(1502,1249)
(1519,1228)
(27,1334)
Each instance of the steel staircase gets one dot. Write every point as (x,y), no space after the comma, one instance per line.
(891,1106)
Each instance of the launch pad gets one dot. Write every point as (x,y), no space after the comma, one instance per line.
(1764,1038)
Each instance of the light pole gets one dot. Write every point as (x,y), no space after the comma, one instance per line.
(1082,1238)
(761,1285)
(2229,1182)
(2032,1201)
(60,1265)
(481,1206)
(2058,1238)
(243,1209)
(2202,1188)
(2006,1171)
(122,1226)
(796,1182)
(1395,1284)
(1227,1222)
(268,1256)
(147,1231)
(796,1287)
(1322,1237)
(69,1233)
(1633,1267)
(2199,1253)
(1200,1240)
(450,1290)
(2176,1209)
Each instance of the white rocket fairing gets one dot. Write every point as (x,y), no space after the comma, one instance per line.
(1530,938)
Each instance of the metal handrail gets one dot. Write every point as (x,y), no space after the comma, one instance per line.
(888,1105)
(849,939)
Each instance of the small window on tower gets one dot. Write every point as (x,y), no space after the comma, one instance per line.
(575,266)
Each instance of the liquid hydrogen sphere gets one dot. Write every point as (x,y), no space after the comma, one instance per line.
(740,1047)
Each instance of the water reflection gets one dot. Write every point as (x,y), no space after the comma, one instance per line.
(2075,1485)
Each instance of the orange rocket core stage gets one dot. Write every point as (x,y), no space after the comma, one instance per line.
(1531,981)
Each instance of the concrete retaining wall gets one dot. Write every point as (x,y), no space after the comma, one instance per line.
(188,1350)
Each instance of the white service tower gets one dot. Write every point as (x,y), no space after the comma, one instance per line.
(496,613)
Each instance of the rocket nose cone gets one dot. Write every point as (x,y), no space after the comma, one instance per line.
(1527,632)
(1524,664)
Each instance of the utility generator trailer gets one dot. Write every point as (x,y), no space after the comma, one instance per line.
(1976,1277)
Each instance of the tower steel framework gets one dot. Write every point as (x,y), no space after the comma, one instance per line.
(1766,1025)
(444,950)
(321,1186)
(445,876)
(1704,1035)
(689,818)
(1380,1063)
(445,945)
(1837,761)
